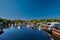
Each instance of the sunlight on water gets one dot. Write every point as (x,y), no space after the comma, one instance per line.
(24,33)
(39,29)
(18,27)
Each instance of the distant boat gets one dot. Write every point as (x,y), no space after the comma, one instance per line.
(32,25)
(38,24)
(28,25)
(40,28)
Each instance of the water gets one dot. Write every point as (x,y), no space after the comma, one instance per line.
(23,33)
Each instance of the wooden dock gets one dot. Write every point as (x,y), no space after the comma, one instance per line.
(55,33)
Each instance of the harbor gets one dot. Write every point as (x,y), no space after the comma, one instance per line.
(50,29)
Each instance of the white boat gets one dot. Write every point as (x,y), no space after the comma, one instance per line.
(39,28)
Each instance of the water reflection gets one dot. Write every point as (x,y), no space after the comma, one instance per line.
(28,26)
(3,26)
(6,26)
(26,32)
(39,28)
(1,32)
(18,27)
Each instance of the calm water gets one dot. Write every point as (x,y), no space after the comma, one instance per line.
(23,33)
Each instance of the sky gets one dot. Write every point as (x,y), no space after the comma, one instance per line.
(29,9)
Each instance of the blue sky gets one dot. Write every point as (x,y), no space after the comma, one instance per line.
(29,9)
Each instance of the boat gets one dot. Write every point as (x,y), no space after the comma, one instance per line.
(56,33)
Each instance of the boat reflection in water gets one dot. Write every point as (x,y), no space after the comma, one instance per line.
(2,27)
(18,27)
(22,33)
(1,30)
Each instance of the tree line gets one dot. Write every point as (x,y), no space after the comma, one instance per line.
(21,21)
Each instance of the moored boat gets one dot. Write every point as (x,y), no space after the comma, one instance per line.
(56,33)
